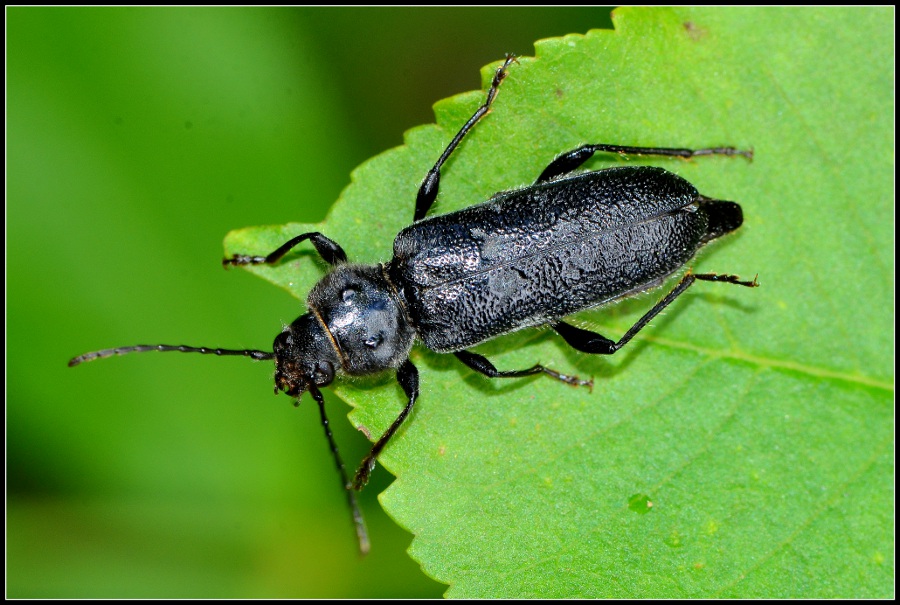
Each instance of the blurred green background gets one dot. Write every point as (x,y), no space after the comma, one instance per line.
(136,139)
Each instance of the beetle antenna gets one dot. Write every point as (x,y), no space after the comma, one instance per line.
(253,354)
(361,533)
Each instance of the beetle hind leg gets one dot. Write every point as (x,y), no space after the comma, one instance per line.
(480,364)
(597,344)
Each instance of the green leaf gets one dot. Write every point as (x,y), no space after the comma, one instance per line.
(742,446)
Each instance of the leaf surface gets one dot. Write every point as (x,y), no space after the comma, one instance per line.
(740,446)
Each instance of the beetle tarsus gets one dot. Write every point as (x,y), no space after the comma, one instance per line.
(239,260)
(575,381)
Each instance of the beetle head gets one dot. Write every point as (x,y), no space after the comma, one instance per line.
(304,355)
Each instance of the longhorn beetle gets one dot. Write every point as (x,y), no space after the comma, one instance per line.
(526,257)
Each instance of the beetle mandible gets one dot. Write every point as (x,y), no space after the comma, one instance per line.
(526,257)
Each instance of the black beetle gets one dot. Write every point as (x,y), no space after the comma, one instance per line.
(526,257)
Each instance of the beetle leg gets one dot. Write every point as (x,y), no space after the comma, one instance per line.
(591,342)
(480,364)
(408,377)
(429,189)
(329,250)
(571,160)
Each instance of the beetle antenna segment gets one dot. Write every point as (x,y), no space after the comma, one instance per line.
(429,189)
(361,533)
(252,353)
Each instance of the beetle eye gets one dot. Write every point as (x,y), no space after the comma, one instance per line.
(323,374)
(348,295)
(374,341)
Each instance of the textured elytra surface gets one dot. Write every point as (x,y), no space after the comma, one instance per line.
(757,424)
(538,254)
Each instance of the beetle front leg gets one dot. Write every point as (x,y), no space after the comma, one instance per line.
(571,160)
(480,364)
(408,377)
(429,189)
(328,249)
(597,344)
